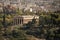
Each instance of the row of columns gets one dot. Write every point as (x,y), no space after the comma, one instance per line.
(17,21)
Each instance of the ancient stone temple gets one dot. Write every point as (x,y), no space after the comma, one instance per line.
(24,19)
(18,20)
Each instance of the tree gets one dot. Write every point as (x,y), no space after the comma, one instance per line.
(19,12)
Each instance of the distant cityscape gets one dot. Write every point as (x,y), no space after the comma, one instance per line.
(46,5)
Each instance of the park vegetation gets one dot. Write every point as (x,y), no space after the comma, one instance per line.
(48,27)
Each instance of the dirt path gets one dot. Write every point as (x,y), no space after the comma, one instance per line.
(33,38)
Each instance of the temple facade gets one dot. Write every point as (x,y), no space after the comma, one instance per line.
(24,19)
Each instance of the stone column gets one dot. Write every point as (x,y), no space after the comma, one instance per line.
(19,20)
(15,22)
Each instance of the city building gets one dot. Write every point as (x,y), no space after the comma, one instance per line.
(15,3)
(25,4)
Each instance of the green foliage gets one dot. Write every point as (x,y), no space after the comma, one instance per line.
(19,12)
(51,21)
(15,34)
